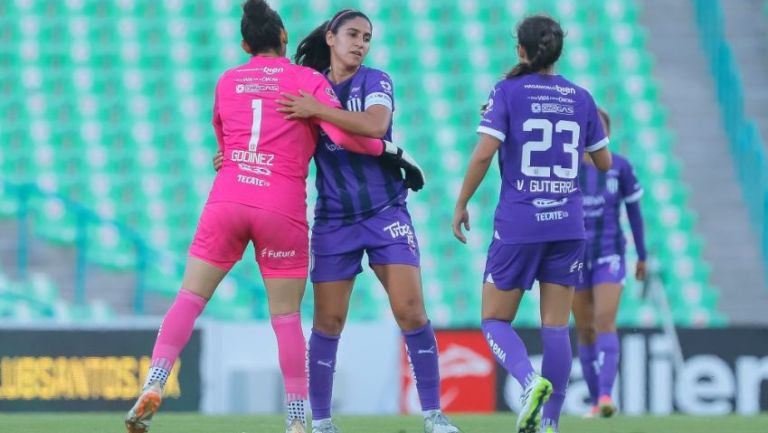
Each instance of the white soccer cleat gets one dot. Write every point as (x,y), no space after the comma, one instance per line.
(536,394)
(437,422)
(140,415)
(295,426)
(324,426)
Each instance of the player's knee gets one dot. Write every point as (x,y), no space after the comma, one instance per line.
(411,317)
(586,334)
(605,322)
(330,324)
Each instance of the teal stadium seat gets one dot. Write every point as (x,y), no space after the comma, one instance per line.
(109,103)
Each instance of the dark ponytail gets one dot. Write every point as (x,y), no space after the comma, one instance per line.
(542,39)
(260,27)
(313,51)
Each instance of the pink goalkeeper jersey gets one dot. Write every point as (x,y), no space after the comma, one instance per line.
(266,158)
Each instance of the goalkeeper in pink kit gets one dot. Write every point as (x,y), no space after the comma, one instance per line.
(258,196)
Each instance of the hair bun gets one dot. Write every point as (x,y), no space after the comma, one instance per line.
(255,9)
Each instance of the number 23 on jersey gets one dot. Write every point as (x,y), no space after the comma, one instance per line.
(570,146)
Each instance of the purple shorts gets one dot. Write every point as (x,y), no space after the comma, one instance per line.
(387,237)
(515,266)
(605,270)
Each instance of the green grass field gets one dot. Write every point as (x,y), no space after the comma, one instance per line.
(194,423)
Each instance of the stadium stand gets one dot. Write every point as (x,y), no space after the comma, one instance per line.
(108,104)
(746,142)
(37,298)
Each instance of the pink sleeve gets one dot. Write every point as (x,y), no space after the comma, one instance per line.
(351,142)
(218,127)
(324,93)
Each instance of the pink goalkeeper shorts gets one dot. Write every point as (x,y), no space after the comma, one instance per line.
(225,228)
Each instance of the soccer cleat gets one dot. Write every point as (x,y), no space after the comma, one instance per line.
(140,415)
(594,412)
(295,421)
(324,426)
(535,395)
(295,426)
(606,406)
(437,422)
(549,429)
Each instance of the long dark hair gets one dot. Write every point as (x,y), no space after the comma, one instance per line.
(542,38)
(313,51)
(261,26)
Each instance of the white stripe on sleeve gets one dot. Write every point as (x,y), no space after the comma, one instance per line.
(635,196)
(378,98)
(597,146)
(492,132)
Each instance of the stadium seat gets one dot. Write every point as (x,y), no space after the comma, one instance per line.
(114,100)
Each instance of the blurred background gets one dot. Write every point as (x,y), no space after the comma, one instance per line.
(105,163)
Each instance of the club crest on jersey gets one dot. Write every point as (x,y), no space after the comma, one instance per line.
(329,91)
(488,107)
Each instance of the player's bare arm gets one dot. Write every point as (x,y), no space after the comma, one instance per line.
(478,167)
(373,122)
(602,158)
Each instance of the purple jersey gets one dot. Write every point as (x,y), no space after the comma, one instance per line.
(353,187)
(545,124)
(603,194)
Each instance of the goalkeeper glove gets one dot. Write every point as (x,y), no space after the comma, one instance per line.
(414,175)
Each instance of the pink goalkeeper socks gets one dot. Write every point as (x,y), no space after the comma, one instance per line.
(293,354)
(176,328)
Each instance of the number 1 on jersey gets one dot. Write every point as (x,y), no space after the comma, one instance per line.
(253,143)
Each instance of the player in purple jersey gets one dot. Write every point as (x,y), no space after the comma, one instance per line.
(540,124)
(597,296)
(361,208)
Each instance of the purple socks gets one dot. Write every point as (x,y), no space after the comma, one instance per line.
(322,364)
(608,354)
(556,367)
(422,351)
(508,349)
(588,358)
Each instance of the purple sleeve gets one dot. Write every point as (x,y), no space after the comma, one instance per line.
(379,91)
(596,138)
(495,121)
(629,186)
(638,232)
